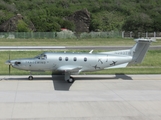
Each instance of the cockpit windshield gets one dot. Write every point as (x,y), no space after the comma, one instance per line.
(41,57)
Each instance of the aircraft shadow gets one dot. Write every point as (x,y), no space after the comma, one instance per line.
(58,81)
(61,85)
(123,76)
(26,78)
(117,76)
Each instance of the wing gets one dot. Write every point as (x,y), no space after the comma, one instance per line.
(70,68)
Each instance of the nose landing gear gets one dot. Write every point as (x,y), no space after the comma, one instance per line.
(30,77)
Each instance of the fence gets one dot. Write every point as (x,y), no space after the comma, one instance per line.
(58,35)
(126,34)
(72,35)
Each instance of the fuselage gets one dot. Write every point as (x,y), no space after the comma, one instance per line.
(53,61)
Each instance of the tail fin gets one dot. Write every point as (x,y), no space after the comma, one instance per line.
(139,50)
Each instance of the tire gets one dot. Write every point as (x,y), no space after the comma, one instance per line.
(71,80)
(30,78)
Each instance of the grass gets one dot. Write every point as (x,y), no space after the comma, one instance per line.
(70,42)
(150,65)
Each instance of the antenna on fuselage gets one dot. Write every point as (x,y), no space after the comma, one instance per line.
(91,52)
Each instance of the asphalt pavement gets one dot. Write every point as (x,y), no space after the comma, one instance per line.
(90,97)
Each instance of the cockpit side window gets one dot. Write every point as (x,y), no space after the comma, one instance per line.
(42,57)
(17,63)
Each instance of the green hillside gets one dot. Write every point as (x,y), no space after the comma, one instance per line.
(106,15)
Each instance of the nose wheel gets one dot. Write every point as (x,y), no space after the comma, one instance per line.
(30,77)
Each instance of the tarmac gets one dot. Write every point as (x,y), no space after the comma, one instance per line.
(90,97)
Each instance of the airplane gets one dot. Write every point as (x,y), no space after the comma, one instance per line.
(73,63)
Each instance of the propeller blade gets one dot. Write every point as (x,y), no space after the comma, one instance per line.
(9,55)
(9,64)
(9,69)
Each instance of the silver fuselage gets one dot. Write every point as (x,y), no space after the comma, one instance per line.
(54,61)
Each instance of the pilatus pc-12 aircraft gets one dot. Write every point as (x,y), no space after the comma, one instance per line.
(74,63)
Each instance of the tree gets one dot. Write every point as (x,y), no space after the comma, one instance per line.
(22,26)
(138,15)
(140,22)
(157,23)
(69,25)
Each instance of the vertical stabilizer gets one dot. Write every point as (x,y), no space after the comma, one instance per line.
(139,50)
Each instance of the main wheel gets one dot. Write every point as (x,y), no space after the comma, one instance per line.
(71,80)
(30,78)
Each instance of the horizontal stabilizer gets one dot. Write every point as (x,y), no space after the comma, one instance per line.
(118,66)
(144,40)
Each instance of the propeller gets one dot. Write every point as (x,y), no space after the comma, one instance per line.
(9,69)
(9,63)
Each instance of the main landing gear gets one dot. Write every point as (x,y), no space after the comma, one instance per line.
(70,80)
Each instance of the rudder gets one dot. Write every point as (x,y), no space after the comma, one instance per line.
(140,49)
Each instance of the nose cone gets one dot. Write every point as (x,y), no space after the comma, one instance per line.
(8,62)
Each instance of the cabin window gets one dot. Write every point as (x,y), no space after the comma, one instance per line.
(75,59)
(85,59)
(60,58)
(17,63)
(66,58)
